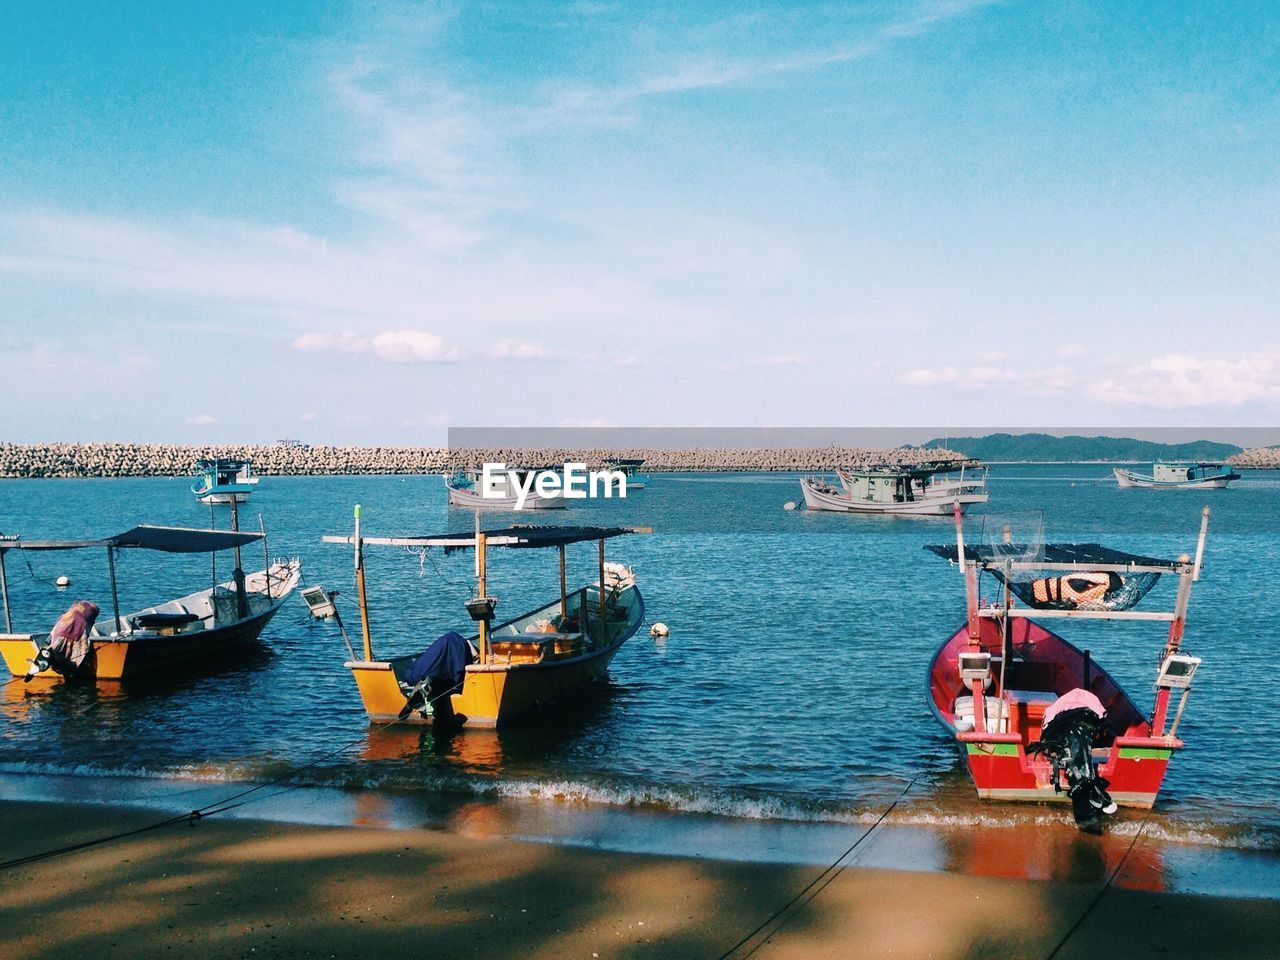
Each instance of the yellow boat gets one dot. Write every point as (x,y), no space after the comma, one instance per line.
(202,624)
(517,667)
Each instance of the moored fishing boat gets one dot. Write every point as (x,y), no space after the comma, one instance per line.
(629,467)
(1032,715)
(203,623)
(520,666)
(1202,475)
(223,479)
(915,490)
(465,491)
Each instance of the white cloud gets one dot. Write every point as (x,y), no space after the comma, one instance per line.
(509,349)
(925,376)
(1179,380)
(782,360)
(202,419)
(390,346)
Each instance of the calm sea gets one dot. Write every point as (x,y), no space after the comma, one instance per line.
(791,687)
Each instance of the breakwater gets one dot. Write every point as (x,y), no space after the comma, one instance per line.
(166,460)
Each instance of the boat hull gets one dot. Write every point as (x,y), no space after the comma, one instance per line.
(817,498)
(224,496)
(496,693)
(1127,478)
(1134,762)
(459,497)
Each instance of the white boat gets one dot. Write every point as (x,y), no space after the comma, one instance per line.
(464,491)
(223,479)
(900,490)
(1202,475)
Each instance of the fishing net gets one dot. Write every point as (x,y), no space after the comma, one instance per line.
(1010,547)
(1082,590)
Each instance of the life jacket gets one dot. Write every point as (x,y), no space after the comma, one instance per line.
(1075,589)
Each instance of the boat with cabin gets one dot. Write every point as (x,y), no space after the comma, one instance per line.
(1200,475)
(200,624)
(925,489)
(629,467)
(504,671)
(1033,716)
(223,479)
(464,490)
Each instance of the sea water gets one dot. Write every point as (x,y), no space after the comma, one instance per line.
(791,689)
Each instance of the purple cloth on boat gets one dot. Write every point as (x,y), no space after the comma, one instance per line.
(1074,700)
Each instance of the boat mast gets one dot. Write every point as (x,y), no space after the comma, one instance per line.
(604,639)
(364,603)
(482,563)
(237,575)
(563,605)
(115,596)
(4,588)
(1188,573)
(266,556)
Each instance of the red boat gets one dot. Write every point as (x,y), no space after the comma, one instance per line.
(1033,716)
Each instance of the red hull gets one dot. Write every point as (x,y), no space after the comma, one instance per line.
(1043,663)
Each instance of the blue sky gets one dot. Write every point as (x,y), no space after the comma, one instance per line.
(358,223)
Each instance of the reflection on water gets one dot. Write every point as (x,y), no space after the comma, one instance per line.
(790,688)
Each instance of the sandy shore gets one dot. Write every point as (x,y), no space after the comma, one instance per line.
(241,888)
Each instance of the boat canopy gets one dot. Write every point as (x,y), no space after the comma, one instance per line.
(1084,554)
(521,536)
(165,539)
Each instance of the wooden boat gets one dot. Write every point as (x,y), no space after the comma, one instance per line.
(521,666)
(223,479)
(201,624)
(1203,475)
(996,684)
(464,491)
(915,490)
(630,468)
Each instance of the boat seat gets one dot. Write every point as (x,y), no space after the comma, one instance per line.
(155,621)
(993,708)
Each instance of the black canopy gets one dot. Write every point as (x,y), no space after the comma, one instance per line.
(533,537)
(1081,553)
(166,539)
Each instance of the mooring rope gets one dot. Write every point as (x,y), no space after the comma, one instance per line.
(209,809)
(817,884)
(1097,897)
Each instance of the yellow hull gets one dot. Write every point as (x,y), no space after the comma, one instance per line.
(19,649)
(491,693)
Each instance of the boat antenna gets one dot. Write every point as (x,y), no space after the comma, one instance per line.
(4,583)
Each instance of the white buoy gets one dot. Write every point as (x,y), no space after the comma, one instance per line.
(659,630)
(789,505)
(63,581)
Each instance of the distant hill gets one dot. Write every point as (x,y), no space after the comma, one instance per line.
(1043,447)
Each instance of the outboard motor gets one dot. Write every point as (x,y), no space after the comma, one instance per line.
(68,645)
(434,676)
(1071,727)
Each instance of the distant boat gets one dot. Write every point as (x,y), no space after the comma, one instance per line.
(464,491)
(200,624)
(909,490)
(521,666)
(1201,475)
(223,479)
(1033,716)
(630,468)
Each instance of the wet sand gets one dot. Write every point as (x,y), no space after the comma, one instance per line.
(243,888)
